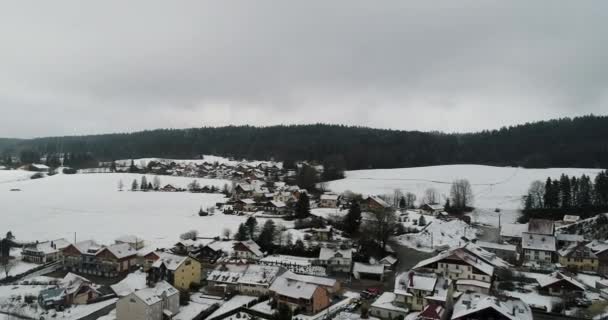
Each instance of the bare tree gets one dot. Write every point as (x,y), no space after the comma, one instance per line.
(461,194)
(226,233)
(397,195)
(381,226)
(410,200)
(536,193)
(431,196)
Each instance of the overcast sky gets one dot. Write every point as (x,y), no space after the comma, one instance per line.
(76,67)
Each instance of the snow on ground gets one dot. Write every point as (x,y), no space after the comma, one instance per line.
(91,206)
(7,176)
(142,162)
(438,234)
(493,187)
(17,266)
(327,213)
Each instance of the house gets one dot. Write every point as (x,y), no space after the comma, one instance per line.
(375,203)
(44,252)
(284,196)
(432,208)
(169,188)
(248,250)
(368,271)
(242,190)
(385,307)
(307,297)
(224,279)
(277,207)
(511,233)
(538,248)
(415,290)
(179,271)
(336,260)
(90,258)
(147,259)
(52,298)
(209,253)
(36,167)
(256,280)
(569,219)
(389,262)
(157,303)
(541,226)
(245,205)
(560,284)
(565,240)
(474,306)
(332,286)
(328,201)
(133,241)
(78,290)
(602,256)
(578,257)
(464,264)
(507,252)
(432,312)
(321,234)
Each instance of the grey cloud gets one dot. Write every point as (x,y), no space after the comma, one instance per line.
(73,67)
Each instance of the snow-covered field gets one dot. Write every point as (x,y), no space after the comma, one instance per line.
(91,206)
(493,187)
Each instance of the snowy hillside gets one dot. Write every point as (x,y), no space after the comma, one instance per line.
(91,206)
(493,187)
(206,159)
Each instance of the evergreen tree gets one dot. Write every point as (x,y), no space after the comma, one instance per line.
(132,167)
(251,225)
(283,313)
(144,183)
(134,185)
(113,166)
(303,206)
(575,192)
(601,188)
(242,233)
(352,220)
(422,221)
(528,202)
(584,194)
(402,203)
(565,191)
(267,235)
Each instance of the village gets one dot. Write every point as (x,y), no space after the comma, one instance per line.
(322,268)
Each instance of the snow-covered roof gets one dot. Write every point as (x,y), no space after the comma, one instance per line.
(472,254)
(572,248)
(154,295)
(388,260)
(253,247)
(322,281)
(569,237)
(134,281)
(247,201)
(51,246)
(278,204)
(534,241)
(473,282)
(510,308)
(329,253)
(258,274)
(541,226)
(332,197)
(385,301)
(359,267)
(293,288)
(88,246)
(225,275)
(598,246)
(72,282)
(513,230)
(557,277)
(121,250)
(379,201)
(285,259)
(496,246)
(434,206)
(414,281)
(40,166)
(171,261)
(571,218)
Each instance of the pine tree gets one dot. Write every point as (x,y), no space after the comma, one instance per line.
(113,166)
(352,220)
(144,183)
(303,206)
(585,190)
(134,185)
(267,235)
(565,192)
(132,167)
(547,196)
(402,203)
(421,221)
(251,225)
(242,233)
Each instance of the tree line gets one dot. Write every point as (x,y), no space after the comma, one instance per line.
(576,142)
(567,195)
